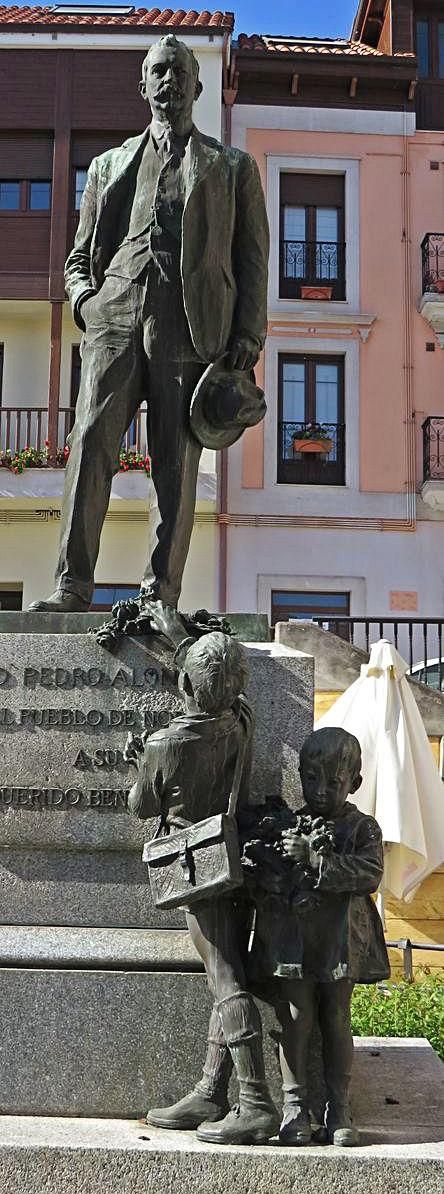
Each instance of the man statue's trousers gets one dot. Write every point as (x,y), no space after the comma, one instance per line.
(137,346)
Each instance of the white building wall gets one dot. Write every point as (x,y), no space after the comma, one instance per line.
(29,549)
(369,565)
(24,331)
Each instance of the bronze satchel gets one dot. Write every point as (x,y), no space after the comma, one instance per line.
(199,861)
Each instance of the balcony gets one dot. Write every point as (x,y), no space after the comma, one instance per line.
(313,264)
(432,489)
(25,429)
(431,304)
(309,466)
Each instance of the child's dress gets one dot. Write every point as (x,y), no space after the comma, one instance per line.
(331,931)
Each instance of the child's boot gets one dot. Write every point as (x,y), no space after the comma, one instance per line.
(295,1129)
(209,1099)
(339,1123)
(254,1119)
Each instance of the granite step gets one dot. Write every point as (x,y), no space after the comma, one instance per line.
(115,1156)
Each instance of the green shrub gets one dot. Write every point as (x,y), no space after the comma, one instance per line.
(402,1009)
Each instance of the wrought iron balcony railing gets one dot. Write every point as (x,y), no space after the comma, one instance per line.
(433,448)
(27,427)
(313,263)
(432,250)
(320,458)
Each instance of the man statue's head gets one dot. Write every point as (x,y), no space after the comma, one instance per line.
(170,80)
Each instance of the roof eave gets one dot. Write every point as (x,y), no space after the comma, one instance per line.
(119,30)
(402,67)
(355,33)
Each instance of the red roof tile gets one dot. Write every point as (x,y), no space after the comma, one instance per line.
(166,18)
(310,46)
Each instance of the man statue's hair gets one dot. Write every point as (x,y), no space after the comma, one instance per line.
(169,40)
(216,669)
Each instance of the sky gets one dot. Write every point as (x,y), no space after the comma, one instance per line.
(303,18)
(307,18)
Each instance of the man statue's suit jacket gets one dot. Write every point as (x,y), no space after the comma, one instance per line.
(224,238)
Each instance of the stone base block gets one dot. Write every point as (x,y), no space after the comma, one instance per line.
(99,1043)
(114,1156)
(88,1040)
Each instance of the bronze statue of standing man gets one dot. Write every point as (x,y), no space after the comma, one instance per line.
(167,280)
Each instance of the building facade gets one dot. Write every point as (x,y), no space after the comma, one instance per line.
(335,505)
(69,90)
(352,524)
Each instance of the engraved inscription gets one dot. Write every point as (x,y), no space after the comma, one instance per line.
(109,759)
(59,799)
(66,708)
(93,677)
(68,719)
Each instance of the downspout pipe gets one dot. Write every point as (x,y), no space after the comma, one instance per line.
(229,92)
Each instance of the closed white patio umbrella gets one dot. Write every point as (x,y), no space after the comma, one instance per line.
(401,785)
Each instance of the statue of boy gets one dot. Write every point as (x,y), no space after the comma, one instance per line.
(185,775)
(327,936)
(168,282)
(317,931)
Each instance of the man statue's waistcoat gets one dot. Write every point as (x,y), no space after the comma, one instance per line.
(224,251)
(155,220)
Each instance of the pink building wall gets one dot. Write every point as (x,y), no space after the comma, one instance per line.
(397,341)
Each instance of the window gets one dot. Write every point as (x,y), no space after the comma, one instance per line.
(68,414)
(2,357)
(105,596)
(312,250)
(311,431)
(430,46)
(10,196)
(76,365)
(22,195)
(330,607)
(11,598)
(441,49)
(422,48)
(40,196)
(80,182)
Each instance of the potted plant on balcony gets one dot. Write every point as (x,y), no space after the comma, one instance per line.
(316,293)
(312,438)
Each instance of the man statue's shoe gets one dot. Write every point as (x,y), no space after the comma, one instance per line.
(188,1113)
(243,1125)
(61,602)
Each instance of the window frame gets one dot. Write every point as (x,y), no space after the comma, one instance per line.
(15,211)
(76,366)
(434,20)
(301,582)
(38,211)
(308,594)
(290,288)
(123,586)
(308,164)
(75,171)
(311,470)
(12,590)
(25,199)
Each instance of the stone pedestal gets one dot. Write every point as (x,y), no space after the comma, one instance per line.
(400,1147)
(105,1002)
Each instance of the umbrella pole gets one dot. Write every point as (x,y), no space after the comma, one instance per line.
(380,898)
